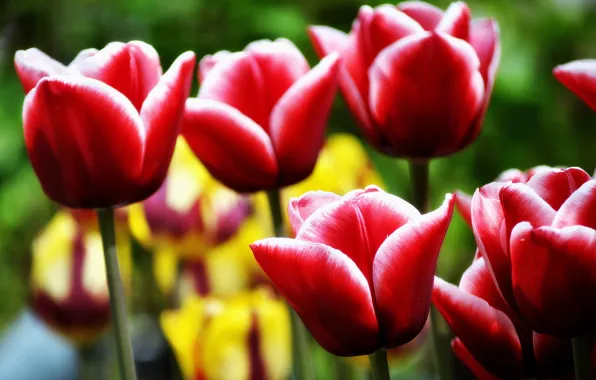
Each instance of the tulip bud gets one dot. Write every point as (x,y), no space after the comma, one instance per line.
(246,337)
(260,117)
(68,280)
(101,132)
(417,80)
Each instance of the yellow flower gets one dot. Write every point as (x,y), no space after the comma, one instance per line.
(245,337)
(68,278)
(196,223)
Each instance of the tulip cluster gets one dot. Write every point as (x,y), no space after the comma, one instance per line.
(356,264)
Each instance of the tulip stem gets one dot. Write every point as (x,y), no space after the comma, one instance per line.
(582,347)
(419,178)
(378,365)
(301,359)
(117,304)
(90,366)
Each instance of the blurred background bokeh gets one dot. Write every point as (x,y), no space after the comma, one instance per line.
(532,119)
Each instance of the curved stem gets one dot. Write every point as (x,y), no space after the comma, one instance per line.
(581,357)
(301,359)
(117,304)
(378,365)
(419,179)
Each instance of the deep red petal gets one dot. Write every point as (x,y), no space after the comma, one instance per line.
(456,21)
(281,65)
(299,121)
(237,82)
(579,77)
(466,357)
(425,108)
(32,64)
(327,40)
(403,272)
(235,150)
(85,142)
(358,224)
(488,223)
(463,203)
(132,68)
(486,332)
(427,15)
(478,282)
(553,355)
(579,208)
(554,278)
(162,114)
(209,61)
(387,26)
(299,209)
(328,286)
(485,39)
(521,204)
(556,185)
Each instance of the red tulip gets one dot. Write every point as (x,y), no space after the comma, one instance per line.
(463,201)
(580,77)
(418,81)
(360,271)
(259,120)
(108,141)
(539,242)
(491,339)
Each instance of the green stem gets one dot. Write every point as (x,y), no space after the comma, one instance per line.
(117,304)
(301,361)
(378,365)
(582,347)
(419,178)
(90,366)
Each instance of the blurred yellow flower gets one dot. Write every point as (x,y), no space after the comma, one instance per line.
(68,277)
(245,337)
(197,224)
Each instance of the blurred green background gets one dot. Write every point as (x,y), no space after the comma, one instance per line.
(532,119)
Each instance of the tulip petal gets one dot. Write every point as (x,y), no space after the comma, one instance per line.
(554,357)
(463,203)
(579,208)
(424,109)
(579,77)
(487,333)
(484,38)
(554,278)
(387,26)
(329,285)
(281,64)
(327,40)
(162,114)
(456,21)
(462,353)
(488,223)
(427,15)
(299,209)
(234,149)
(237,82)
(32,64)
(512,175)
(209,61)
(403,272)
(299,120)
(83,55)
(556,185)
(520,203)
(69,124)
(132,68)
(358,224)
